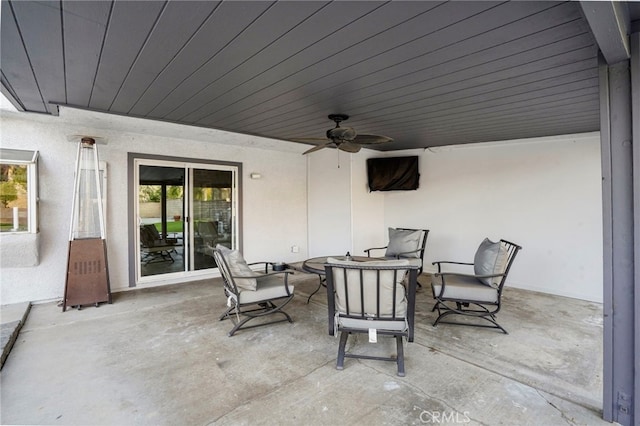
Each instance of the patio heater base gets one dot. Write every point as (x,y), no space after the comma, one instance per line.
(87,274)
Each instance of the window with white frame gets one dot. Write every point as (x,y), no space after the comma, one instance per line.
(18,190)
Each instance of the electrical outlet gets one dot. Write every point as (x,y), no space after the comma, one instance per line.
(295,249)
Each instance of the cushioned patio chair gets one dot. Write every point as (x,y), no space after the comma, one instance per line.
(208,232)
(371,297)
(250,294)
(405,243)
(153,247)
(475,295)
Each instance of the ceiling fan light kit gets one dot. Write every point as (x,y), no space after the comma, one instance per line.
(344,138)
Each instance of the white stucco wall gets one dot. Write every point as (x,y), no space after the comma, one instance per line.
(543,194)
(329,203)
(368,209)
(274,207)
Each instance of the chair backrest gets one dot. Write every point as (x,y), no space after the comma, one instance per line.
(377,292)
(146,236)
(152,231)
(208,229)
(423,243)
(511,252)
(227,278)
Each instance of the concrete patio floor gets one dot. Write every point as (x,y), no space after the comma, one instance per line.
(161,357)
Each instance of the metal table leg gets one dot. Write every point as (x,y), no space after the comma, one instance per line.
(320,284)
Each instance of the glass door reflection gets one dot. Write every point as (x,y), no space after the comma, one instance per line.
(161,217)
(212,217)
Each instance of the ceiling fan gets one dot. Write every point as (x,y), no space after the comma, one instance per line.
(344,138)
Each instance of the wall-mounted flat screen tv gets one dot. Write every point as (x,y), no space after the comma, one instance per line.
(393,173)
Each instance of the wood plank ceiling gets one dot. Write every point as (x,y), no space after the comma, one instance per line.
(424,73)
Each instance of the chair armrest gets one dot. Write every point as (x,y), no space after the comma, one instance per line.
(408,252)
(439,263)
(258,275)
(285,282)
(261,275)
(267,273)
(373,248)
(440,274)
(450,262)
(266,265)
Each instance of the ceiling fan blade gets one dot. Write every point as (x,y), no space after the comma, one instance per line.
(371,139)
(318,147)
(344,138)
(309,140)
(349,147)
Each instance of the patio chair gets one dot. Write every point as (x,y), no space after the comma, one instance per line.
(208,232)
(371,297)
(250,294)
(475,295)
(154,248)
(405,243)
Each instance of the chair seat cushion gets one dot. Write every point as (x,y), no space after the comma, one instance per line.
(463,287)
(403,241)
(267,288)
(364,324)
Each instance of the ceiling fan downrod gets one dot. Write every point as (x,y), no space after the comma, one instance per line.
(338,118)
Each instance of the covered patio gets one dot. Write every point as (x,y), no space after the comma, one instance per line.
(524,116)
(160,356)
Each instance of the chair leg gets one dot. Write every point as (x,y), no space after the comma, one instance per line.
(242,316)
(493,321)
(400,359)
(226,314)
(248,318)
(341,350)
(441,316)
(487,316)
(238,325)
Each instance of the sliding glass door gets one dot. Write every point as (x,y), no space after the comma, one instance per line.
(183,210)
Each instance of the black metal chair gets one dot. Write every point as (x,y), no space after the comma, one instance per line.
(475,295)
(250,294)
(371,297)
(405,243)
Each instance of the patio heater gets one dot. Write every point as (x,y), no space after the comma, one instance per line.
(87,270)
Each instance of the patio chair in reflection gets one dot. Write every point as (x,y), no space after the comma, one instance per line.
(375,298)
(250,294)
(208,232)
(153,247)
(479,294)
